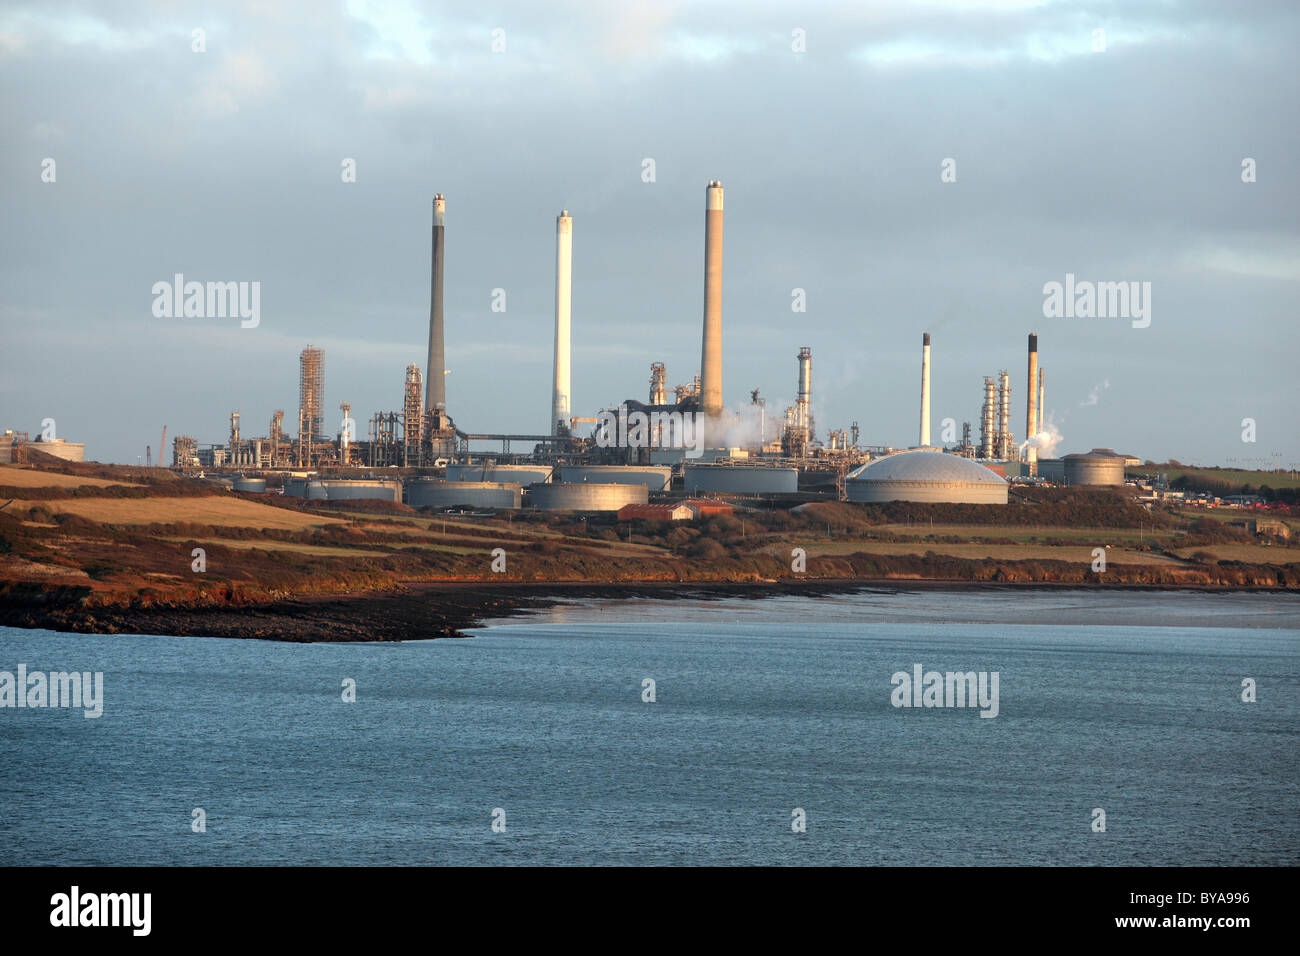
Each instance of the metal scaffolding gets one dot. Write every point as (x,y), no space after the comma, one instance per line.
(311,392)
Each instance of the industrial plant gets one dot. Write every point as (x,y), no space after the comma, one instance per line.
(680,442)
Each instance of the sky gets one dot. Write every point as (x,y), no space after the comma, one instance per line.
(1115,156)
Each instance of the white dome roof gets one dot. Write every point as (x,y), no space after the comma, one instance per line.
(925,466)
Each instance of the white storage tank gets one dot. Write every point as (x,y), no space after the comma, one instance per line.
(587,496)
(926,476)
(1101,466)
(654,477)
(254,485)
(352,489)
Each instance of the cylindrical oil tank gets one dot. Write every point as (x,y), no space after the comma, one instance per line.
(587,496)
(1101,466)
(256,485)
(524,474)
(741,479)
(1052,469)
(654,477)
(431,493)
(354,489)
(297,487)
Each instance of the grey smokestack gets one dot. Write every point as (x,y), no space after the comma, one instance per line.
(925,390)
(435,383)
(1031,406)
(1042,396)
(711,353)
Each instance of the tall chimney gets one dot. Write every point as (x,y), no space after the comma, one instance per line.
(711,354)
(804,401)
(1004,415)
(1031,406)
(925,390)
(1042,399)
(563,303)
(435,383)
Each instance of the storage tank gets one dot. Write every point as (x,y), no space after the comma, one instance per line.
(432,493)
(354,489)
(524,474)
(925,476)
(1052,469)
(587,496)
(654,477)
(741,479)
(67,450)
(1101,466)
(255,485)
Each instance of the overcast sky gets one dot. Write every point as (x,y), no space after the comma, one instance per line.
(1124,164)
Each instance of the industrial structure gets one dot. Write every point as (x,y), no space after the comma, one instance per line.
(14,446)
(311,392)
(924,441)
(439,494)
(1101,466)
(563,306)
(435,395)
(711,350)
(586,496)
(1031,407)
(926,476)
(688,442)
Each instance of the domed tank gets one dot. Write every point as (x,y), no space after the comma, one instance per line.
(926,476)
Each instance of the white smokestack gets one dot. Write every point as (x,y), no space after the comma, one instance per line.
(563,303)
(925,390)
(1031,405)
(711,351)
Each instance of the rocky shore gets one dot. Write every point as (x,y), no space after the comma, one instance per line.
(421,611)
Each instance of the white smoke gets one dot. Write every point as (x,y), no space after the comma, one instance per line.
(1048,437)
(742,427)
(1094,396)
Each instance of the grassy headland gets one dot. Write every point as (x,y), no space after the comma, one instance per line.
(111,548)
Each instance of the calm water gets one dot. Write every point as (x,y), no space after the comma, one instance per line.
(1130,703)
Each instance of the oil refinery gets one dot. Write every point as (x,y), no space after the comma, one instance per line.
(680,441)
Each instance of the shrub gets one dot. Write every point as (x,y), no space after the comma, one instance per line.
(708,549)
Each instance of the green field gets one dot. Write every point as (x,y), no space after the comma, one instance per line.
(1274,479)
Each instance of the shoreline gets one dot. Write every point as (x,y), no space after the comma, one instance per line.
(446,609)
